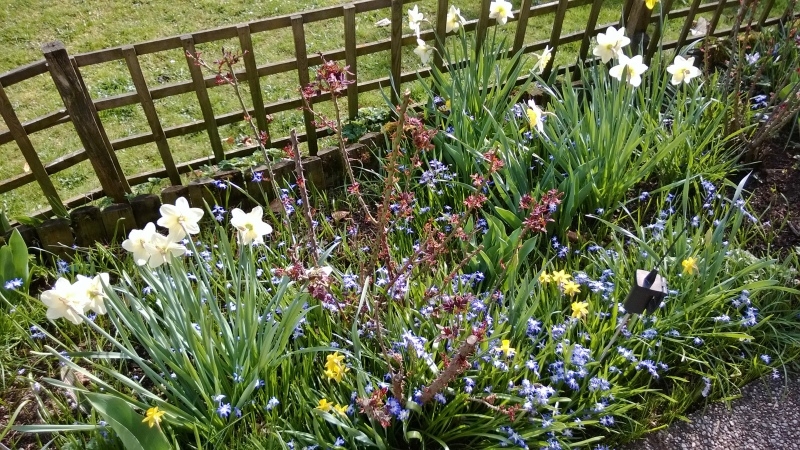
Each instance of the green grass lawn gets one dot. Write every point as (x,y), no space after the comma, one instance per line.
(83,26)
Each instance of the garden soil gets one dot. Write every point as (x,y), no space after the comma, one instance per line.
(775,185)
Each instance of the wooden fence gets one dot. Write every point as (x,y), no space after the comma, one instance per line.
(82,110)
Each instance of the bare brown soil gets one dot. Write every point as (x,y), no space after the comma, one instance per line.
(775,185)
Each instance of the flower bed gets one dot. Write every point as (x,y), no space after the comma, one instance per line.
(560,272)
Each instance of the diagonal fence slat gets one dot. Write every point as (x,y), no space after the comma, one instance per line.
(28,152)
(81,109)
(150,113)
(202,97)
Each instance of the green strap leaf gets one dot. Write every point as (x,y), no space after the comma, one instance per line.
(19,253)
(134,434)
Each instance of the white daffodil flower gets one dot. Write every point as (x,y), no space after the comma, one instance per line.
(250,226)
(610,43)
(544,59)
(161,248)
(94,291)
(180,219)
(683,70)
(501,10)
(454,19)
(136,243)
(424,51)
(631,69)
(65,300)
(414,18)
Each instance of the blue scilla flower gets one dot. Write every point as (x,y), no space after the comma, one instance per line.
(750,317)
(534,327)
(707,387)
(469,385)
(224,410)
(627,354)
(599,384)
(558,330)
(650,334)
(607,421)
(62,267)
(513,437)
(724,318)
(36,333)
(12,285)
(650,366)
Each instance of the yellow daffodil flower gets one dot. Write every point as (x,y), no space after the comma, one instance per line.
(324,405)
(571,288)
(560,276)
(506,348)
(545,278)
(580,309)
(690,265)
(650,3)
(341,409)
(334,360)
(334,367)
(153,416)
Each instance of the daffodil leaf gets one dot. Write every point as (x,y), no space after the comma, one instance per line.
(134,434)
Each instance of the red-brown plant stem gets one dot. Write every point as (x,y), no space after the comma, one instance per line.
(301,183)
(346,159)
(343,151)
(388,183)
(234,82)
(458,364)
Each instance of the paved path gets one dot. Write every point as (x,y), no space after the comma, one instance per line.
(767,417)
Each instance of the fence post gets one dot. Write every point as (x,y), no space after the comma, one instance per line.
(655,39)
(351,59)
(441,32)
(687,25)
(397,50)
(636,21)
(301,55)
(483,25)
(79,107)
(246,42)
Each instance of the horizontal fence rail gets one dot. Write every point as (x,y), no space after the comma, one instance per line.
(82,111)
